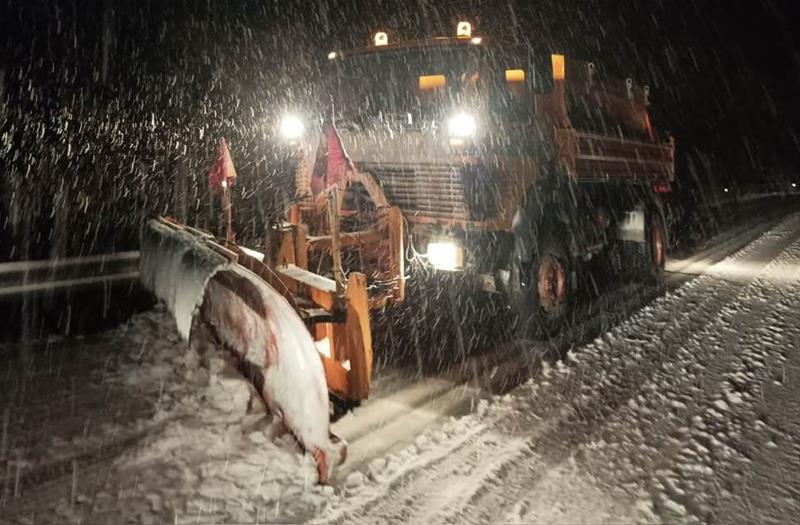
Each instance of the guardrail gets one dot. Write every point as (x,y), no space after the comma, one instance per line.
(22,278)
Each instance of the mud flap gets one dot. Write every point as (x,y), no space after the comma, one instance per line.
(632,226)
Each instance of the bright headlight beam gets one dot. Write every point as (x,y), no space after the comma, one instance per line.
(445,255)
(291,127)
(462,125)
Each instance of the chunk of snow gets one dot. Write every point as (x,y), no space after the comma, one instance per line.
(377,466)
(678,405)
(438,437)
(674,507)
(253,253)
(734,398)
(355,480)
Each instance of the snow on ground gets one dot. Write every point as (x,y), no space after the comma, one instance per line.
(688,411)
(208,459)
(201,455)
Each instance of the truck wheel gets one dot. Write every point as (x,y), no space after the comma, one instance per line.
(657,246)
(547,294)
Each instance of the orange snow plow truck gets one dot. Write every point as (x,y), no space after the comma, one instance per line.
(505,161)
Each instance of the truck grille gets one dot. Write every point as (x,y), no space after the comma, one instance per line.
(435,191)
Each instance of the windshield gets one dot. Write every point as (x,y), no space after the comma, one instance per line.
(407,86)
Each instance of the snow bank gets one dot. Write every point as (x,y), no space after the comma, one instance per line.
(208,456)
(206,465)
(194,451)
(211,461)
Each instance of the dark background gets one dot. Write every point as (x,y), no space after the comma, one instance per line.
(104,101)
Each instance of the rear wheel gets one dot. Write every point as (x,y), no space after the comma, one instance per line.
(658,243)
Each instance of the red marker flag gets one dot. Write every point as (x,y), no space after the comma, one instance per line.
(332,163)
(222,172)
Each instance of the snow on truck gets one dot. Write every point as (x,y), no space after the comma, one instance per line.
(505,161)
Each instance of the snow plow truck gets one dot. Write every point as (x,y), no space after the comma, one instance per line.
(509,162)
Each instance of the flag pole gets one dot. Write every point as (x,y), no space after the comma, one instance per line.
(226,209)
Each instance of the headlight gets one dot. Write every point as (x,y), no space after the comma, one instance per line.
(462,125)
(291,127)
(445,255)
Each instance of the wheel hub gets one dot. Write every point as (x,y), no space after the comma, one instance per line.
(658,244)
(551,284)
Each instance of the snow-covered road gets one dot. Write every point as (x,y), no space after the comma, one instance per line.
(688,410)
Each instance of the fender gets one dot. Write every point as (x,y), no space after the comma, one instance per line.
(544,205)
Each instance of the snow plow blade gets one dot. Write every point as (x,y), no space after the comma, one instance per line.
(178,262)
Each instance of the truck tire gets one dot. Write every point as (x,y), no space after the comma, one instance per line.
(547,292)
(656,235)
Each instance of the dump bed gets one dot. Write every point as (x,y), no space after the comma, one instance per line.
(594,157)
(605,132)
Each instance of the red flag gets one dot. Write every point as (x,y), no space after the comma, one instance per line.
(332,163)
(222,172)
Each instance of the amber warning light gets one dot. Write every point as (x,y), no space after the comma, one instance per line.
(559,67)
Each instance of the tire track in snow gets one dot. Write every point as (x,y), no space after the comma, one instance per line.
(623,366)
(769,489)
(733,408)
(717,303)
(412,485)
(423,509)
(643,426)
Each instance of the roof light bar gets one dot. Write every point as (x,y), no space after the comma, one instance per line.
(381,39)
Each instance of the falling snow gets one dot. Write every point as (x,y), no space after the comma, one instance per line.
(652,404)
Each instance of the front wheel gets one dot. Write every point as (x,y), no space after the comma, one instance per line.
(546,292)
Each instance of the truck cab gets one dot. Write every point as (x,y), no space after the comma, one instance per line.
(504,160)
(438,122)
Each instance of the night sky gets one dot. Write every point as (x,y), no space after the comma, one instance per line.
(176,75)
(741,58)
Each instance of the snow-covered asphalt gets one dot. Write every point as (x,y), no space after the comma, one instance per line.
(687,411)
